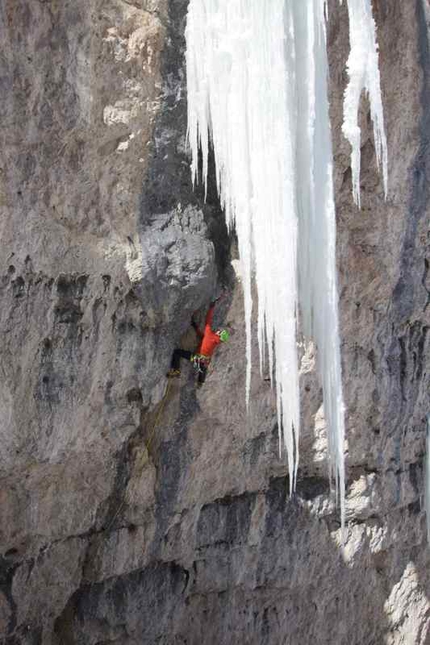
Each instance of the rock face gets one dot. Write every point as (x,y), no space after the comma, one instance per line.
(130,517)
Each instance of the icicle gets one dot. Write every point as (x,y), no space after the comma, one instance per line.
(363,70)
(317,224)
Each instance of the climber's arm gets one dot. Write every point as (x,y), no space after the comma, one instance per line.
(210,315)
(196,328)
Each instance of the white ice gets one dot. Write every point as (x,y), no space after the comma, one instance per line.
(241,87)
(363,71)
(257,82)
(318,296)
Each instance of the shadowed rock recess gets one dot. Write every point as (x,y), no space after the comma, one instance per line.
(131,519)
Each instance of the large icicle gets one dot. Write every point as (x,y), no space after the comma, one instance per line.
(257,81)
(363,71)
(317,223)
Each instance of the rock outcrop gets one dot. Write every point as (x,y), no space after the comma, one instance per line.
(131,517)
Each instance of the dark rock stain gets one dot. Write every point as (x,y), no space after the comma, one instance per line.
(70,290)
(404,295)
(7,570)
(107,605)
(225,522)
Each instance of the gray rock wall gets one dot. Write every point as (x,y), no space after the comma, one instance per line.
(130,518)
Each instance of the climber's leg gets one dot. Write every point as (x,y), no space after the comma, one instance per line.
(175,365)
(202,374)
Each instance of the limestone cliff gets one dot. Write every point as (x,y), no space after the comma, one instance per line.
(130,518)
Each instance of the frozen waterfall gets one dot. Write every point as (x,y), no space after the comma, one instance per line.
(257,89)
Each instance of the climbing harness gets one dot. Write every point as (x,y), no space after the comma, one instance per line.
(200,362)
(144,459)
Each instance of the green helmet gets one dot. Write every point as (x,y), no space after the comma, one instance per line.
(224,335)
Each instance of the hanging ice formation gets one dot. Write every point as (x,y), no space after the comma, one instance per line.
(257,88)
(363,70)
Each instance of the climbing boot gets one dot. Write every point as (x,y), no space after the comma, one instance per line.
(173,373)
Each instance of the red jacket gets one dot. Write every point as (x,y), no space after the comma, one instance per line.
(210,339)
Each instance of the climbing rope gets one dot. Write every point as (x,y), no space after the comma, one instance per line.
(145,455)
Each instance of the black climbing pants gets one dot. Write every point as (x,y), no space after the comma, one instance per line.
(184,353)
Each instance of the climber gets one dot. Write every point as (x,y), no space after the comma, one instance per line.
(209,341)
